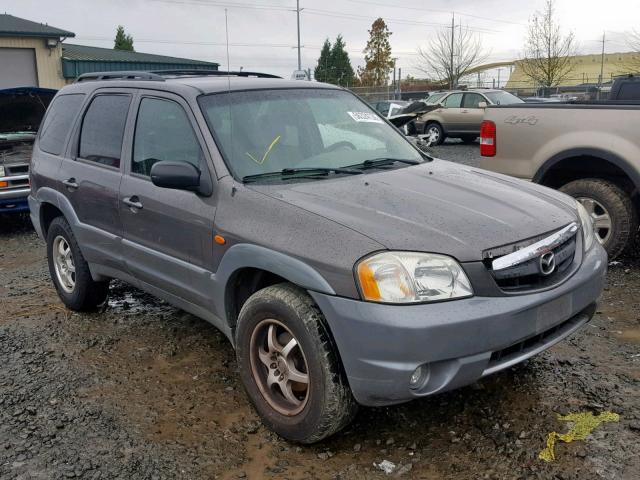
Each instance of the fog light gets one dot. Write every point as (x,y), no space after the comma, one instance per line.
(417,377)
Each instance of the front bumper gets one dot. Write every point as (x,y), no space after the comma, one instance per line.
(14,200)
(458,341)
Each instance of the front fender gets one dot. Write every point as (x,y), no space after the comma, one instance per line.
(245,255)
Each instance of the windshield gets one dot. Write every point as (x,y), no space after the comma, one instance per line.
(263,131)
(433,99)
(502,98)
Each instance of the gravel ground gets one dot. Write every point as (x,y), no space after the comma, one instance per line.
(143,391)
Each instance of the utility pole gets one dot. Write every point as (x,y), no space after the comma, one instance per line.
(601,66)
(453,29)
(298,15)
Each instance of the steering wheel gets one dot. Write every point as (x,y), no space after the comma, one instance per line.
(338,145)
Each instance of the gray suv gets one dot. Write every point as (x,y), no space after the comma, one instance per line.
(345,266)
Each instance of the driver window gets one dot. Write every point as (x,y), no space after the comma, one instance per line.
(472,100)
(163,132)
(453,100)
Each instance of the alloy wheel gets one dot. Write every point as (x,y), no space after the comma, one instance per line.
(64,265)
(602,224)
(279,367)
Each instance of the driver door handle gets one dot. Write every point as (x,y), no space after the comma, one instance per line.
(70,183)
(132,202)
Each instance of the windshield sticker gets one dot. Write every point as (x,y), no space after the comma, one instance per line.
(365,117)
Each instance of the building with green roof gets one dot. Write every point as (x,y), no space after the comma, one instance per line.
(35,54)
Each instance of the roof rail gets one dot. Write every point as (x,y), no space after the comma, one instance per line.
(204,73)
(123,75)
(160,75)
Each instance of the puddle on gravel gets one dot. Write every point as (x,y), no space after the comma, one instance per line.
(630,336)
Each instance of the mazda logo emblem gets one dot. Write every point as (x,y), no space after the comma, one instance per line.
(547,263)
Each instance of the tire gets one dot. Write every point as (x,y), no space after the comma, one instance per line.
(82,293)
(469,139)
(607,198)
(327,405)
(435,133)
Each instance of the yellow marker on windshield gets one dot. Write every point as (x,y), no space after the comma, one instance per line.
(266,154)
(583,425)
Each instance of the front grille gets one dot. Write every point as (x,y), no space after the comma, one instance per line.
(528,276)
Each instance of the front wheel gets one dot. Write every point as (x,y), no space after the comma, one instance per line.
(289,366)
(434,135)
(615,219)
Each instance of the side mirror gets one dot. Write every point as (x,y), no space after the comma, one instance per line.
(482,105)
(176,175)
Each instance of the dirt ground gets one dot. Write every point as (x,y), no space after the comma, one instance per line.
(146,391)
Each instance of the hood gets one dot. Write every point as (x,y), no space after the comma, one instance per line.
(22,109)
(438,207)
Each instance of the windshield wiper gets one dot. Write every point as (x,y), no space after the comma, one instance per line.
(310,172)
(381,162)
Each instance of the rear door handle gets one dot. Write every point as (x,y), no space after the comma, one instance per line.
(70,183)
(132,202)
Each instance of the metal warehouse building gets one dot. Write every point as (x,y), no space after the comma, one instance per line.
(33,54)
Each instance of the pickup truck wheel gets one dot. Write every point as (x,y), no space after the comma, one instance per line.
(434,134)
(69,270)
(289,366)
(614,217)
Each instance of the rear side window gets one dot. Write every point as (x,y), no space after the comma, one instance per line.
(453,100)
(163,132)
(103,129)
(58,122)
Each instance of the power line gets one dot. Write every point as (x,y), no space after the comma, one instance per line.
(178,42)
(251,6)
(439,11)
(353,16)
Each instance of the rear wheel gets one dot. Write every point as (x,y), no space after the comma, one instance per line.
(289,366)
(615,218)
(70,271)
(434,135)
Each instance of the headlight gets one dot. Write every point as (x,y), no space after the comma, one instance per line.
(411,277)
(587,226)
(2,171)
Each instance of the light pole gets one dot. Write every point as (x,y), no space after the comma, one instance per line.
(298,17)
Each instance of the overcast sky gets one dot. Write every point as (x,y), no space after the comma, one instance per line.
(262,33)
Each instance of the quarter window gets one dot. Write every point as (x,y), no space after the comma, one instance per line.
(58,122)
(103,129)
(453,100)
(163,132)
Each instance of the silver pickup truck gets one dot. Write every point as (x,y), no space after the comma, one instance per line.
(590,151)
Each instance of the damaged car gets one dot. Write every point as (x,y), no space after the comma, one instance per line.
(21,111)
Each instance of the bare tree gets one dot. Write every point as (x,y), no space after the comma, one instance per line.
(450,54)
(547,51)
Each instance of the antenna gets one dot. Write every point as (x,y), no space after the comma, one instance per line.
(226,27)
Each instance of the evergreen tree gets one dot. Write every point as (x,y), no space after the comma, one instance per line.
(377,56)
(122,40)
(324,70)
(343,72)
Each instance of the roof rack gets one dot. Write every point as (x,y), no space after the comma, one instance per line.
(161,75)
(182,72)
(124,75)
